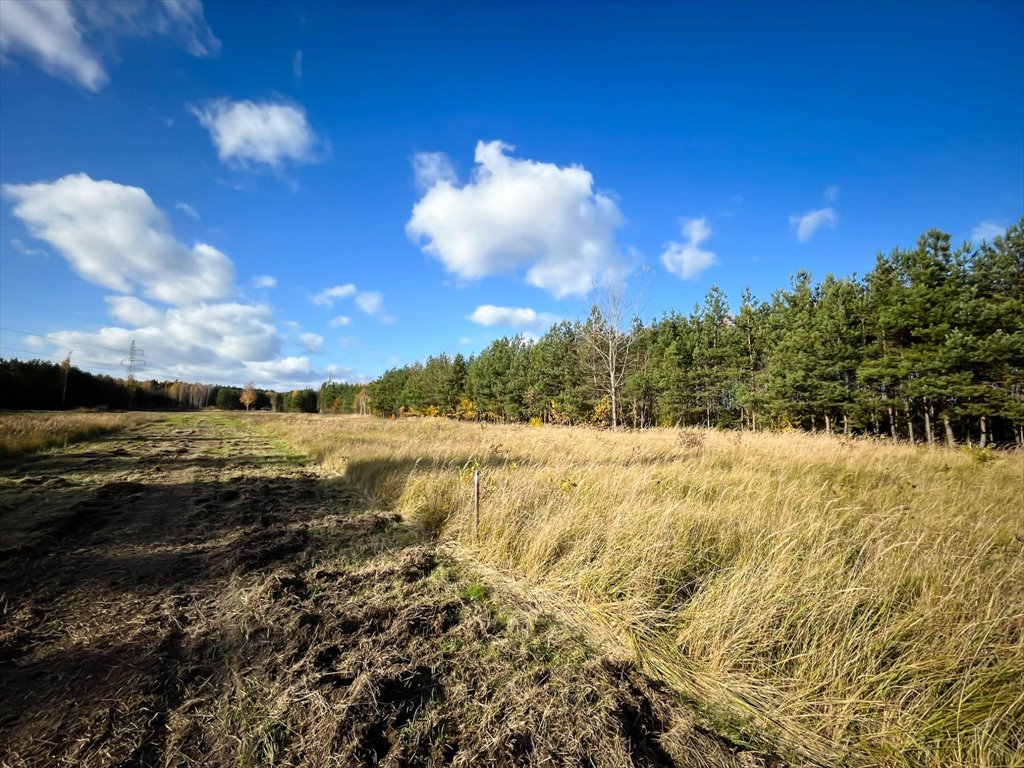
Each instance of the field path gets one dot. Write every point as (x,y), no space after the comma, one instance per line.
(188,592)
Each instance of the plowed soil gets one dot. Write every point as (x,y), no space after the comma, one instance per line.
(188,592)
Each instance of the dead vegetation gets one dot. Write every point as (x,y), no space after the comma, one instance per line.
(27,432)
(856,602)
(188,593)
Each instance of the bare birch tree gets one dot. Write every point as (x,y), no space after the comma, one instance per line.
(608,341)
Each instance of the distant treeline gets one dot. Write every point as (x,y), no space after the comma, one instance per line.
(43,385)
(928,346)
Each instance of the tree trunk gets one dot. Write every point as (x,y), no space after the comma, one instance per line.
(950,437)
(910,426)
(846,425)
(828,424)
(984,431)
(814,424)
(892,422)
(928,424)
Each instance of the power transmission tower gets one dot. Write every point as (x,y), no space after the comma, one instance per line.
(136,361)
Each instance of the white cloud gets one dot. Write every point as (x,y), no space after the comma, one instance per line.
(268,133)
(297,65)
(521,214)
(831,193)
(810,222)
(312,342)
(20,247)
(327,297)
(371,302)
(48,34)
(433,168)
(988,231)
(218,343)
(287,368)
(340,321)
(687,260)
(56,34)
(188,210)
(133,311)
(113,235)
(341,373)
(215,343)
(264,281)
(515,317)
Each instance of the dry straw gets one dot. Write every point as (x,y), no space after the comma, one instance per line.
(855,601)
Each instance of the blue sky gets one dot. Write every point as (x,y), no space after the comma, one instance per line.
(286,192)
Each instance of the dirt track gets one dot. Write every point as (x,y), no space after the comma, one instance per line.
(186,592)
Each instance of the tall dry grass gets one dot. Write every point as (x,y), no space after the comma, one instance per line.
(861,603)
(28,432)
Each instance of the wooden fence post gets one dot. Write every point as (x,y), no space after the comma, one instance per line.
(476,503)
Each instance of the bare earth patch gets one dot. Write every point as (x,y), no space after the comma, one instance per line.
(184,592)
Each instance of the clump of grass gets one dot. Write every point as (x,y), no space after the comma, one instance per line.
(28,432)
(858,602)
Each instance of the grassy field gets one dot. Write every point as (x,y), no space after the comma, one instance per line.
(188,591)
(27,432)
(861,603)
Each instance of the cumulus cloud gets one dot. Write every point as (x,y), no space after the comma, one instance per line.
(204,342)
(61,36)
(520,214)
(515,317)
(187,209)
(114,236)
(987,231)
(370,302)
(810,222)
(687,260)
(229,343)
(133,311)
(340,321)
(287,369)
(264,281)
(327,297)
(312,342)
(433,168)
(248,133)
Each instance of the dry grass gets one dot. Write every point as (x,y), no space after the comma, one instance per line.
(858,602)
(28,432)
(196,597)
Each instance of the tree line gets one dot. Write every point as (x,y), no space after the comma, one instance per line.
(44,385)
(928,346)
